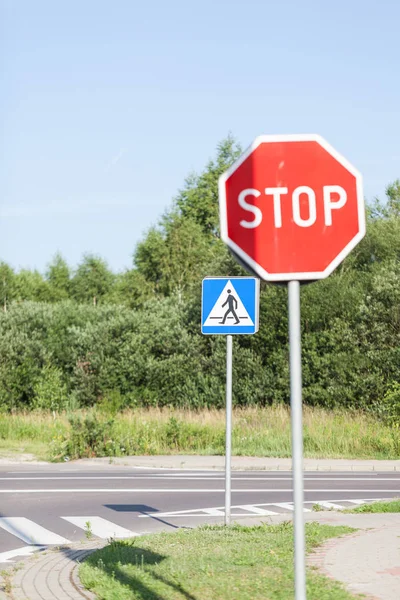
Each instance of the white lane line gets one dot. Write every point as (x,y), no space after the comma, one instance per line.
(24,551)
(137,479)
(182,512)
(30,532)
(202,515)
(359,502)
(255,509)
(185,491)
(101,527)
(188,478)
(329,505)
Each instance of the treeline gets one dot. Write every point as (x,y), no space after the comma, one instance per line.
(78,338)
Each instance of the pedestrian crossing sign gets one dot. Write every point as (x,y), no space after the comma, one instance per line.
(230,305)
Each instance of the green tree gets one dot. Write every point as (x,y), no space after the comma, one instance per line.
(59,277)
(148,255)
(198,200)
(6,285)
(30,285)
(393,196)
(175,255)
(50,392)
(130,288)
(92,280)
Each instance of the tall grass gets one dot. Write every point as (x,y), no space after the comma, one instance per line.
(256,432)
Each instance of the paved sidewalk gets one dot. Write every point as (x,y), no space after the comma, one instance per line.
(366,562)
(240,463)
(51,575)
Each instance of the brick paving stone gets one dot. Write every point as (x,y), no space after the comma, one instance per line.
(52,575)
(367,563)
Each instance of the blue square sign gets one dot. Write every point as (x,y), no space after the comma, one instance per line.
(230,305)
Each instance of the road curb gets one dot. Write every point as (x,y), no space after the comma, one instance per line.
(239,463)
(216,463)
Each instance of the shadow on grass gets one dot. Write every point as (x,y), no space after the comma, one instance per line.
(119,552)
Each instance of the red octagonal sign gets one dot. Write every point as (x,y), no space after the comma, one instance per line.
(291,207)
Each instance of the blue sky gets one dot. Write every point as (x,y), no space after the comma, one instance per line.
(106,106)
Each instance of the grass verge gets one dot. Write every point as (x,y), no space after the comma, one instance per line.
(234,563)
(256,432)
(391,506)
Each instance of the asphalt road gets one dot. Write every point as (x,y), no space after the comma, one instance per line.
(53,504)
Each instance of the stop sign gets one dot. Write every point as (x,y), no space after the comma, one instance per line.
(291,207)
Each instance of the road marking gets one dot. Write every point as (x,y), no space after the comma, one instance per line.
(329,505)
(289,506)
(217,511)
(183,512)
(256,509)
(30,532)
(165,490)
(101,527)
(214,512)
(187,478)
(24,551)
(186,491)
(205,514)
(362,501)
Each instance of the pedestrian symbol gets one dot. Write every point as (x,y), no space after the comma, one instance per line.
(231,302)
(230,305)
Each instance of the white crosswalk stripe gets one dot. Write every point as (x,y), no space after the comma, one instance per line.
(30,532)
(329,505)
(8,557)
(100,527)
(256,510)
(214,512)
(289,506)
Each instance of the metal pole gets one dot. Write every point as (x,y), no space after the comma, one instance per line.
(297,438)
(228,434)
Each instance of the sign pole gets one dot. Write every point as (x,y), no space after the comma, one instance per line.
(297,438)
(228,434)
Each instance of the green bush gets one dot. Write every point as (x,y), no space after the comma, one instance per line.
(50,392)
(88,436)
(389,408)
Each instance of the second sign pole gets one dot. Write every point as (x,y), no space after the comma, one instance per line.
(228,433)
(297,438)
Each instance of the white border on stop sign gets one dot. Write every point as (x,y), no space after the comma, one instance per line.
(297,137)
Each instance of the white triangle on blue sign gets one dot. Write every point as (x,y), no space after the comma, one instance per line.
(222,309)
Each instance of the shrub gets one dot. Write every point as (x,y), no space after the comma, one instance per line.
(50,392)
(88,436)
(389,408)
